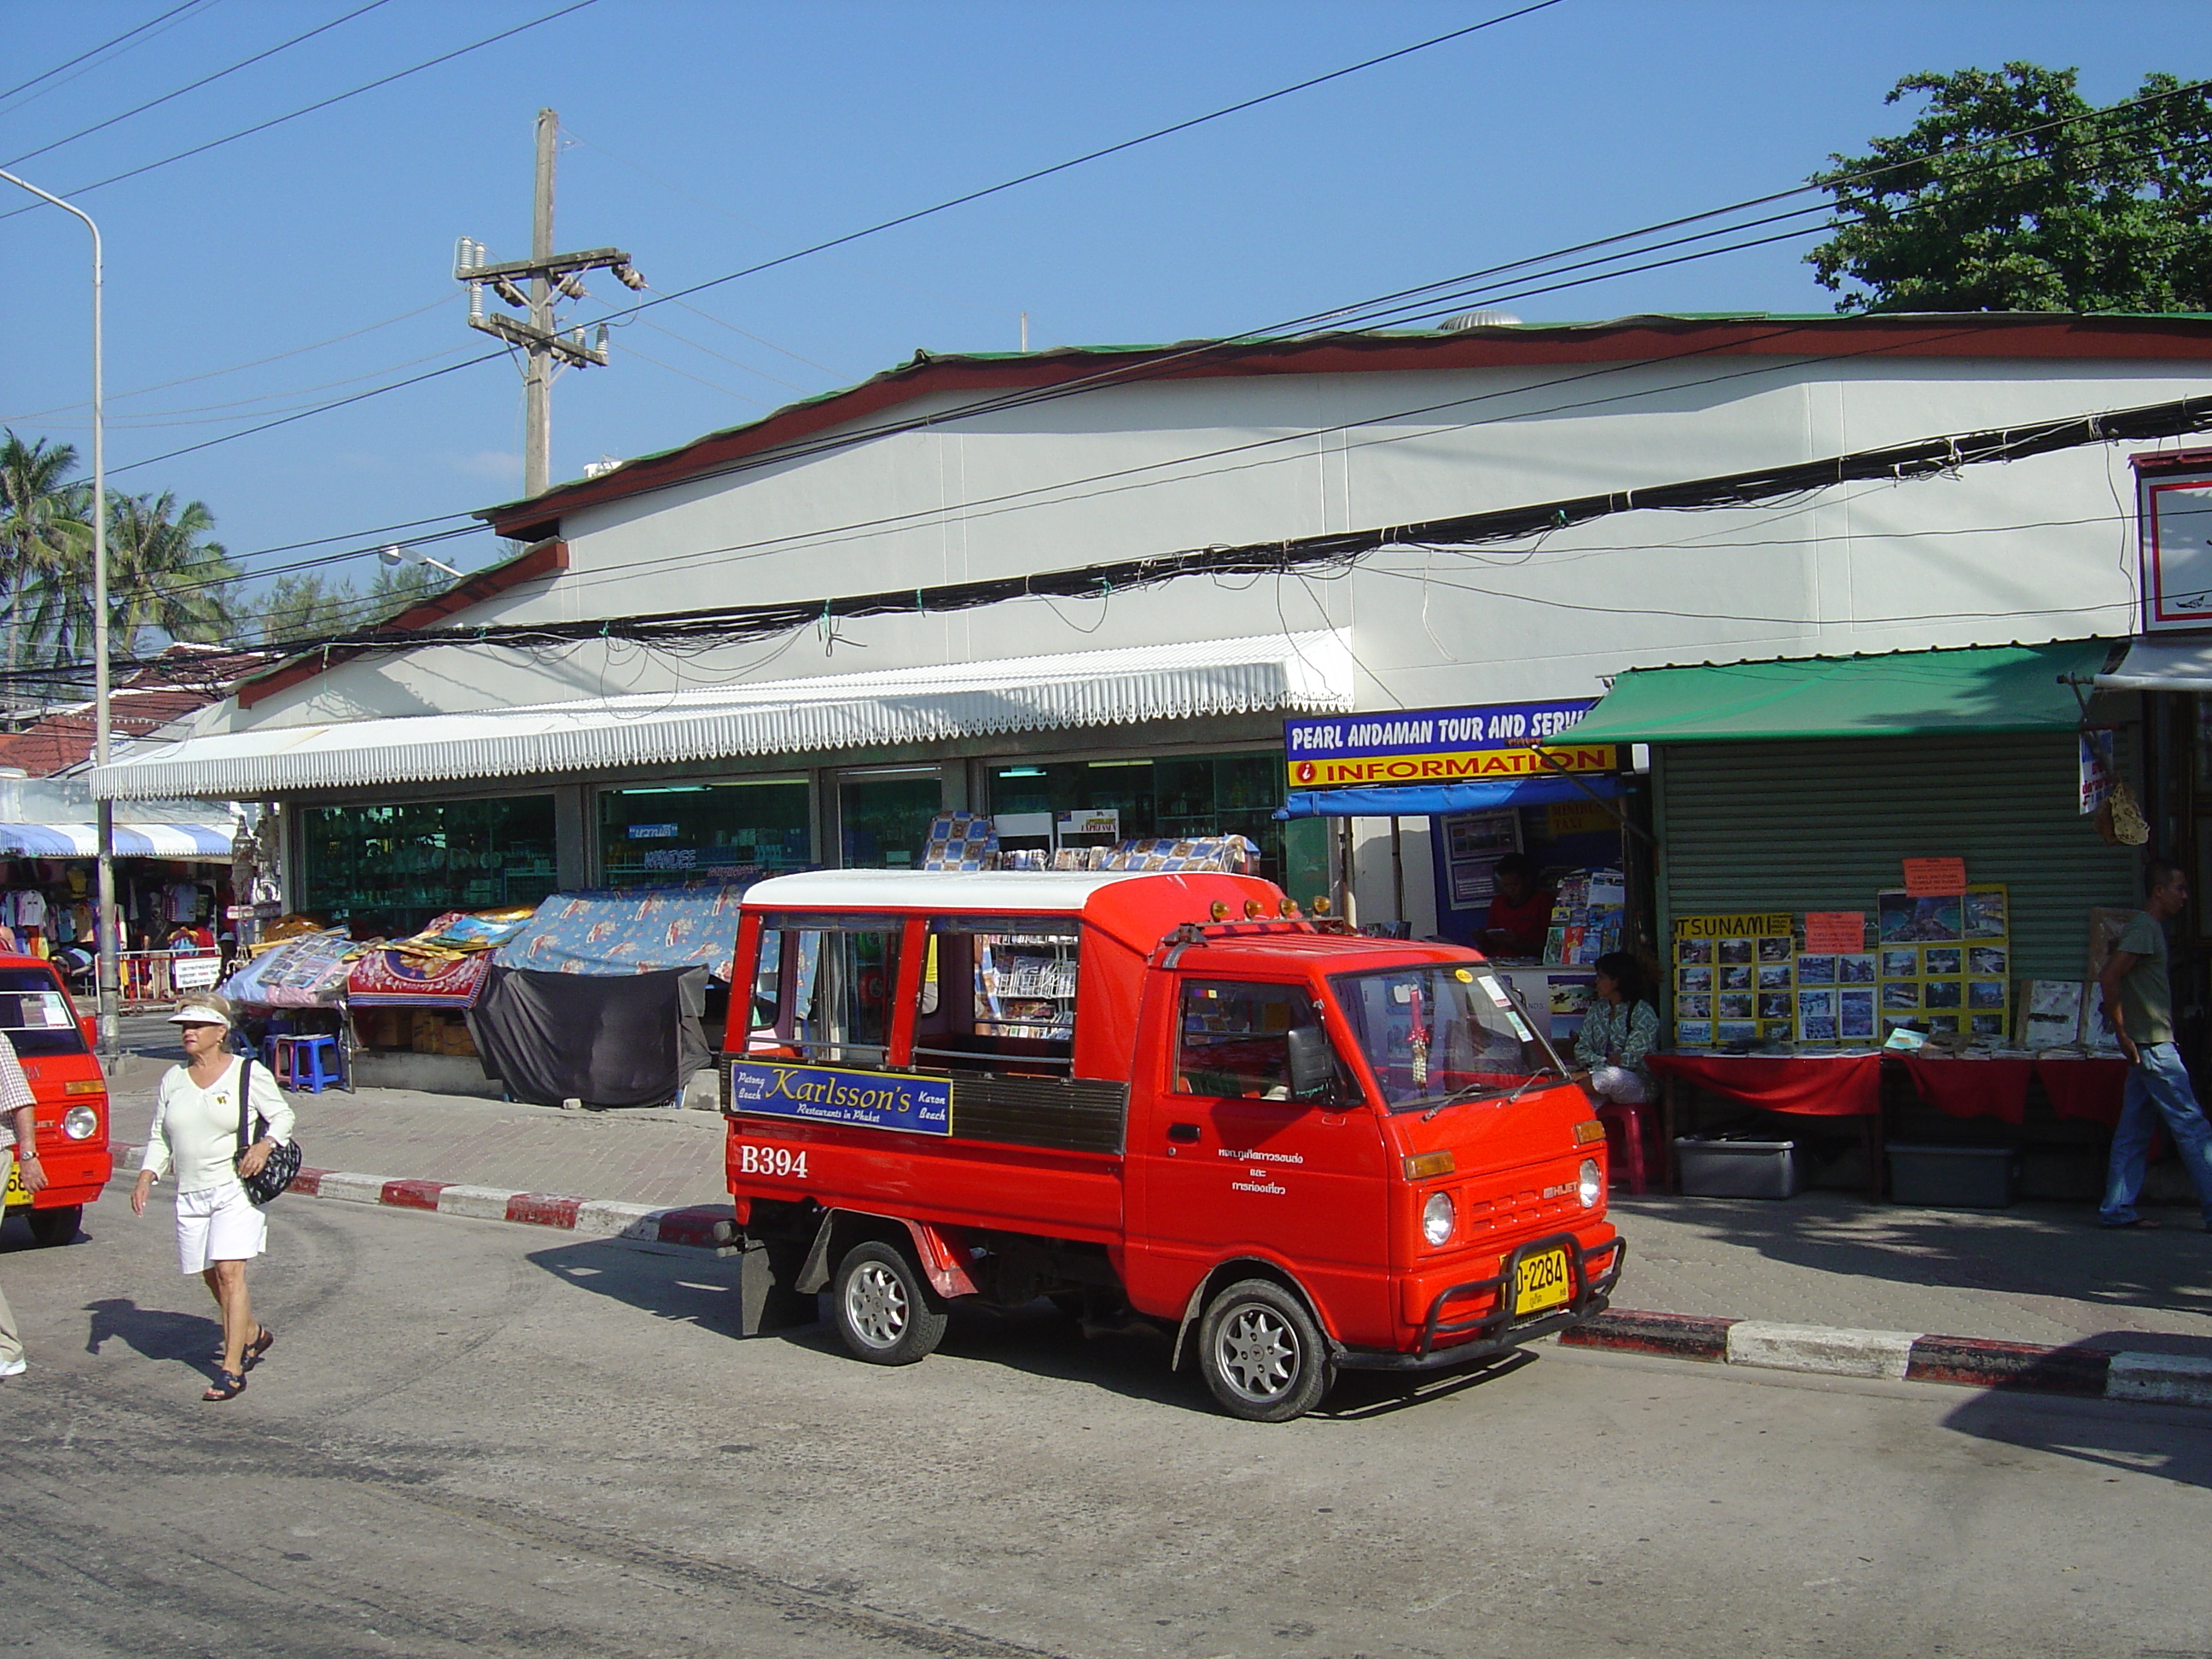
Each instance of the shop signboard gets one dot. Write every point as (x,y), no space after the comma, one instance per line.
(840,1094)
(2176,510)
(1475,743)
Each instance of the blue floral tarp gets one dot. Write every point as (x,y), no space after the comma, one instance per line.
(631,931)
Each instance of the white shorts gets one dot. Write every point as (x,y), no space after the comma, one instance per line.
(1618,1083)
(218,1223)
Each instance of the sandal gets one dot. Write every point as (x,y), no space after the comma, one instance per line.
(227,1385)
(258,1347)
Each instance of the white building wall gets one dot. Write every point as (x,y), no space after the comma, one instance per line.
(2037,550)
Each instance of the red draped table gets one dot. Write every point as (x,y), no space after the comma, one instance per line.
(2086,1087)
(1813,1085)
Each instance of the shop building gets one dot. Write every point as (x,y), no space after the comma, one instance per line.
(455,775)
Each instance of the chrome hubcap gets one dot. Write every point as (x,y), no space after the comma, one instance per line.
(876,1305)
(1257,1353)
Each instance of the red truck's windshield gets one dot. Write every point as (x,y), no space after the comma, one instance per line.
(1438,1032)
(36,1015)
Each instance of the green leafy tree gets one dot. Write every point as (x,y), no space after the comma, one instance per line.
(303,605)
(2013,192)
(309,606)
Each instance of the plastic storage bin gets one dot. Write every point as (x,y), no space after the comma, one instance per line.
(1738,1169)
(1953,1178)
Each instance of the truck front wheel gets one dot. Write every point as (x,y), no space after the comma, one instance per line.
(56,1226)
(884,1312)
(1264,1356)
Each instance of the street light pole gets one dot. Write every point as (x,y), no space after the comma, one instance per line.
(107,934)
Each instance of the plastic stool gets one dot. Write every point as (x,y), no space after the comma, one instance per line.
(1628,1118)
(298,1062)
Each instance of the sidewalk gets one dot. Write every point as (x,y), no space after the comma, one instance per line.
(663,1158)
(2037,1273)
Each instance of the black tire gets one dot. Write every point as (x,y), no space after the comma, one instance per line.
(884,1311)
(1264,1357)
(55,1226)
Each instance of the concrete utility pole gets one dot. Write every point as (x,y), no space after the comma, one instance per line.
(552,276)
(105,934)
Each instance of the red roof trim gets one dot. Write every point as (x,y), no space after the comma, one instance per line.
(548,558)
(1971,334)
(2172,460)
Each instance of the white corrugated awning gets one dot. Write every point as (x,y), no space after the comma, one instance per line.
(1276,673)
(2162,665)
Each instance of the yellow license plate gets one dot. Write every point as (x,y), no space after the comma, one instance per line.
(1543,1281)
(17,1192)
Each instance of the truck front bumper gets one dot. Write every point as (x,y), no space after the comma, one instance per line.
(1597,1272)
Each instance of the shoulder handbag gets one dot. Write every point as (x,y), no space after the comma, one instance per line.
(283,1164)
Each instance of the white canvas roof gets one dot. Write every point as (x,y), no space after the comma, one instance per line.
(1277,672)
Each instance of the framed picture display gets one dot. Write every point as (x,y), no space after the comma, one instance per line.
(1944,961)
(1733,979)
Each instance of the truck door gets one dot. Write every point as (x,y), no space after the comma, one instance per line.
(1227,1164)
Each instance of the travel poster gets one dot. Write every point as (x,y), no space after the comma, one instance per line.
(1733,980)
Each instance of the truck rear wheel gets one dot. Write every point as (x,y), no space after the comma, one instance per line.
(883,1309)
(55,1226)
(1265,1359)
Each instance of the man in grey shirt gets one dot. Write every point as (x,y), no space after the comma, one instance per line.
(2140,1005)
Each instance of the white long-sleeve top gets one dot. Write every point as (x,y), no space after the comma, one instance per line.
(196,1129)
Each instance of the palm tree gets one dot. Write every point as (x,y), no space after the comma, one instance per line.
(43,523)
(162,574)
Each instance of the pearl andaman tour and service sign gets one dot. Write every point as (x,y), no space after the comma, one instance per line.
(1474,744)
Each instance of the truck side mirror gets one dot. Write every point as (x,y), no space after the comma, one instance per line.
(1311,1061)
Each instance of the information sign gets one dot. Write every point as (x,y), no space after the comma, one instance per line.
(1934,878)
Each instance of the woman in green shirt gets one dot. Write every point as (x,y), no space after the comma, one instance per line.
(1621,1027)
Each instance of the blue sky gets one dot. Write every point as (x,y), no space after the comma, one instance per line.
(704,137)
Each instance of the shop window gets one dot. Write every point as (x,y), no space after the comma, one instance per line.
(999,994)
(654,837)
(1182,795)
(883,818)
(386,870)
(825,993)
(1232,1037)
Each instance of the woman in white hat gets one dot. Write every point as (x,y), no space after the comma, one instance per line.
(219,1228)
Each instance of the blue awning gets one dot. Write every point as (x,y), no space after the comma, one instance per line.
(132,841)
(1422,800)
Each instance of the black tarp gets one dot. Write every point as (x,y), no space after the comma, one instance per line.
(606,1039)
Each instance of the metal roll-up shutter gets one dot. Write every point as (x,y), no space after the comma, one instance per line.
(1822,824)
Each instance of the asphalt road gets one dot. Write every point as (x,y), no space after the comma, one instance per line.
(470,1438)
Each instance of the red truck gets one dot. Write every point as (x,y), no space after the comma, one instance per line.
(1296,1150)
(55,1044)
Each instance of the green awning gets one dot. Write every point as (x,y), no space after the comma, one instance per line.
(2005,688)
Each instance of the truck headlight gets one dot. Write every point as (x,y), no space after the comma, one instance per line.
(1591,1187)
(1436,1218)
(79,1123)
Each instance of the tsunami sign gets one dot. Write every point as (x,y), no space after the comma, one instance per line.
(837,1094)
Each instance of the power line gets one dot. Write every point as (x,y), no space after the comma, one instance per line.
(127,35)
(237,368)
(321,103)
(902,219)
(205,80)
(1153,367)
(1920,458)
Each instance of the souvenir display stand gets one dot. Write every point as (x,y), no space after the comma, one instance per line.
(1905,1017)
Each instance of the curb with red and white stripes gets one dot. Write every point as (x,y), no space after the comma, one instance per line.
(705,1226)
(2081,1371)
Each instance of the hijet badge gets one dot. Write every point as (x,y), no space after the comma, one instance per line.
(838,1094)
